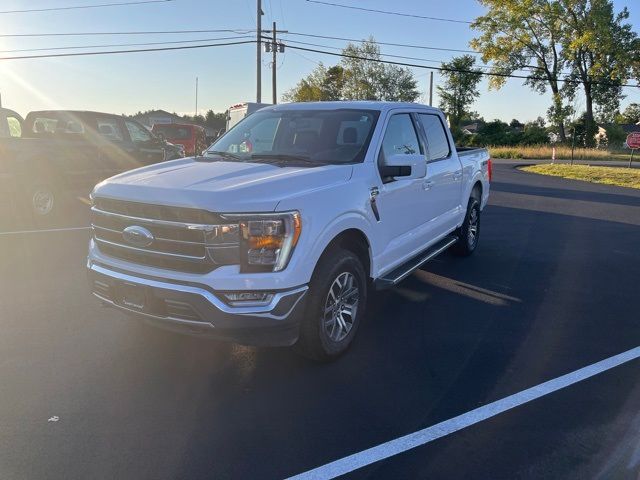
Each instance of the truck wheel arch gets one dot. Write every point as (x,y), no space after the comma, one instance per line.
(477,187)
(354,240)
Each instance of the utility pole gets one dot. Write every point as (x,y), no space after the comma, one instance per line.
(259,52)
(196,98)
(274,47)
(431,89)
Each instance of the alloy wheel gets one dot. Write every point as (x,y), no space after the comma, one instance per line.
(341,307)
(472,231)
(42,201)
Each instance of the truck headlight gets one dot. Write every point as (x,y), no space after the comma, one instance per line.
(267,241)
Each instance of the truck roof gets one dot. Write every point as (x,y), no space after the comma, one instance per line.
(363,104)
(73,112)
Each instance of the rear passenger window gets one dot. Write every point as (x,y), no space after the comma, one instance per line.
(400,136)
(15,129)
(110,129)
(437,143)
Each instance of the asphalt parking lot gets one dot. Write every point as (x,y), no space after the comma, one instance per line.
(553,288)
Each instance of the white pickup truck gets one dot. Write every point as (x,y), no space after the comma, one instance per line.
(280,232)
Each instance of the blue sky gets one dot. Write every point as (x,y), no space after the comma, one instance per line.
(132,82)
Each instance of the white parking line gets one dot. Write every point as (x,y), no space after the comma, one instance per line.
(23,232)
(429,434)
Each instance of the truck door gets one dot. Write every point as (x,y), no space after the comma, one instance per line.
(443,185)
(404,214)
(145,148)
(115,156)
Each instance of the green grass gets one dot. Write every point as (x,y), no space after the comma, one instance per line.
(563,152)
(622,177)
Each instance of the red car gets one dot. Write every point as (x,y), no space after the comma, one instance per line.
(191,137)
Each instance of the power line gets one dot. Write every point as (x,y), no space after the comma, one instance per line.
(387,12)
(390,44)
(111,52)
(78,7)
(445,69)
(480,67)
(385,54)
(74,47)
(148,32)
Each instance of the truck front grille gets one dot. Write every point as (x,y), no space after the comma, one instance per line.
(183,239)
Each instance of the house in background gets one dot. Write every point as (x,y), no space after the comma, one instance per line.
(149,119)
(471,128)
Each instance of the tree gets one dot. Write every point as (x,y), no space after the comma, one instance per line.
(359,76)
(215,121)
(616,136)
(599,47)
(460,87)
(516,124)
(310,88)
(631,114)
(535,133)
(367,78)
(525,34)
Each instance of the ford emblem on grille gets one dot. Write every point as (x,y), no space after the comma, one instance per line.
(138,236)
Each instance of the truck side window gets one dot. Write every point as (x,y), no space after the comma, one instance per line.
(15,128)
(110,129)
(437,142)
(400,136)
(137,133)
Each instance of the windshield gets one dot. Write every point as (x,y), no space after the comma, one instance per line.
(320,136)
(174,132)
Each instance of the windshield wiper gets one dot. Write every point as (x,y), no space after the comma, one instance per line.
(281,158)
(226,155)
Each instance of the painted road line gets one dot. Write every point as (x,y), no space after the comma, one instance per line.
(50,230)
(429,434)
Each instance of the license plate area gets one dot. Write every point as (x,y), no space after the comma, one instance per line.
(132,296)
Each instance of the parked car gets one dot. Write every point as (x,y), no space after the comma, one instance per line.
(51,153)
(192,137)
(173,151)
(283,243)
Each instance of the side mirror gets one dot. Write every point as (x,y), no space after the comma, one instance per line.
(160,136)
(401,165)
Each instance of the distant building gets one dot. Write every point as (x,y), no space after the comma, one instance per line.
(471,128)
(149,119)
(630,127)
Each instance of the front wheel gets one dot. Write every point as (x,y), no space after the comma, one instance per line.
(338,297)
(469,233)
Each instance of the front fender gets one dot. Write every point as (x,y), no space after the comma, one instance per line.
(347,221)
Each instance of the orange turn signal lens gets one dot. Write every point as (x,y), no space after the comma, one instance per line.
(269,242)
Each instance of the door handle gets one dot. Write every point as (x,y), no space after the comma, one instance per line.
(427,184)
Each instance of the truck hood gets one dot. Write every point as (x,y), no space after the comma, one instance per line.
(220,186)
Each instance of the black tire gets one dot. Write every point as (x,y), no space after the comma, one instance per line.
(325,320)
(469,233)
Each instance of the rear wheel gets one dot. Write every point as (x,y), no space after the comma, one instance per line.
(469,233)
(42,200)
(338,296)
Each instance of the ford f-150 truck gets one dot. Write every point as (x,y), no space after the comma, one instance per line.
(279,234)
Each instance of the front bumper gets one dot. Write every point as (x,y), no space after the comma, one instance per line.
(197,310)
